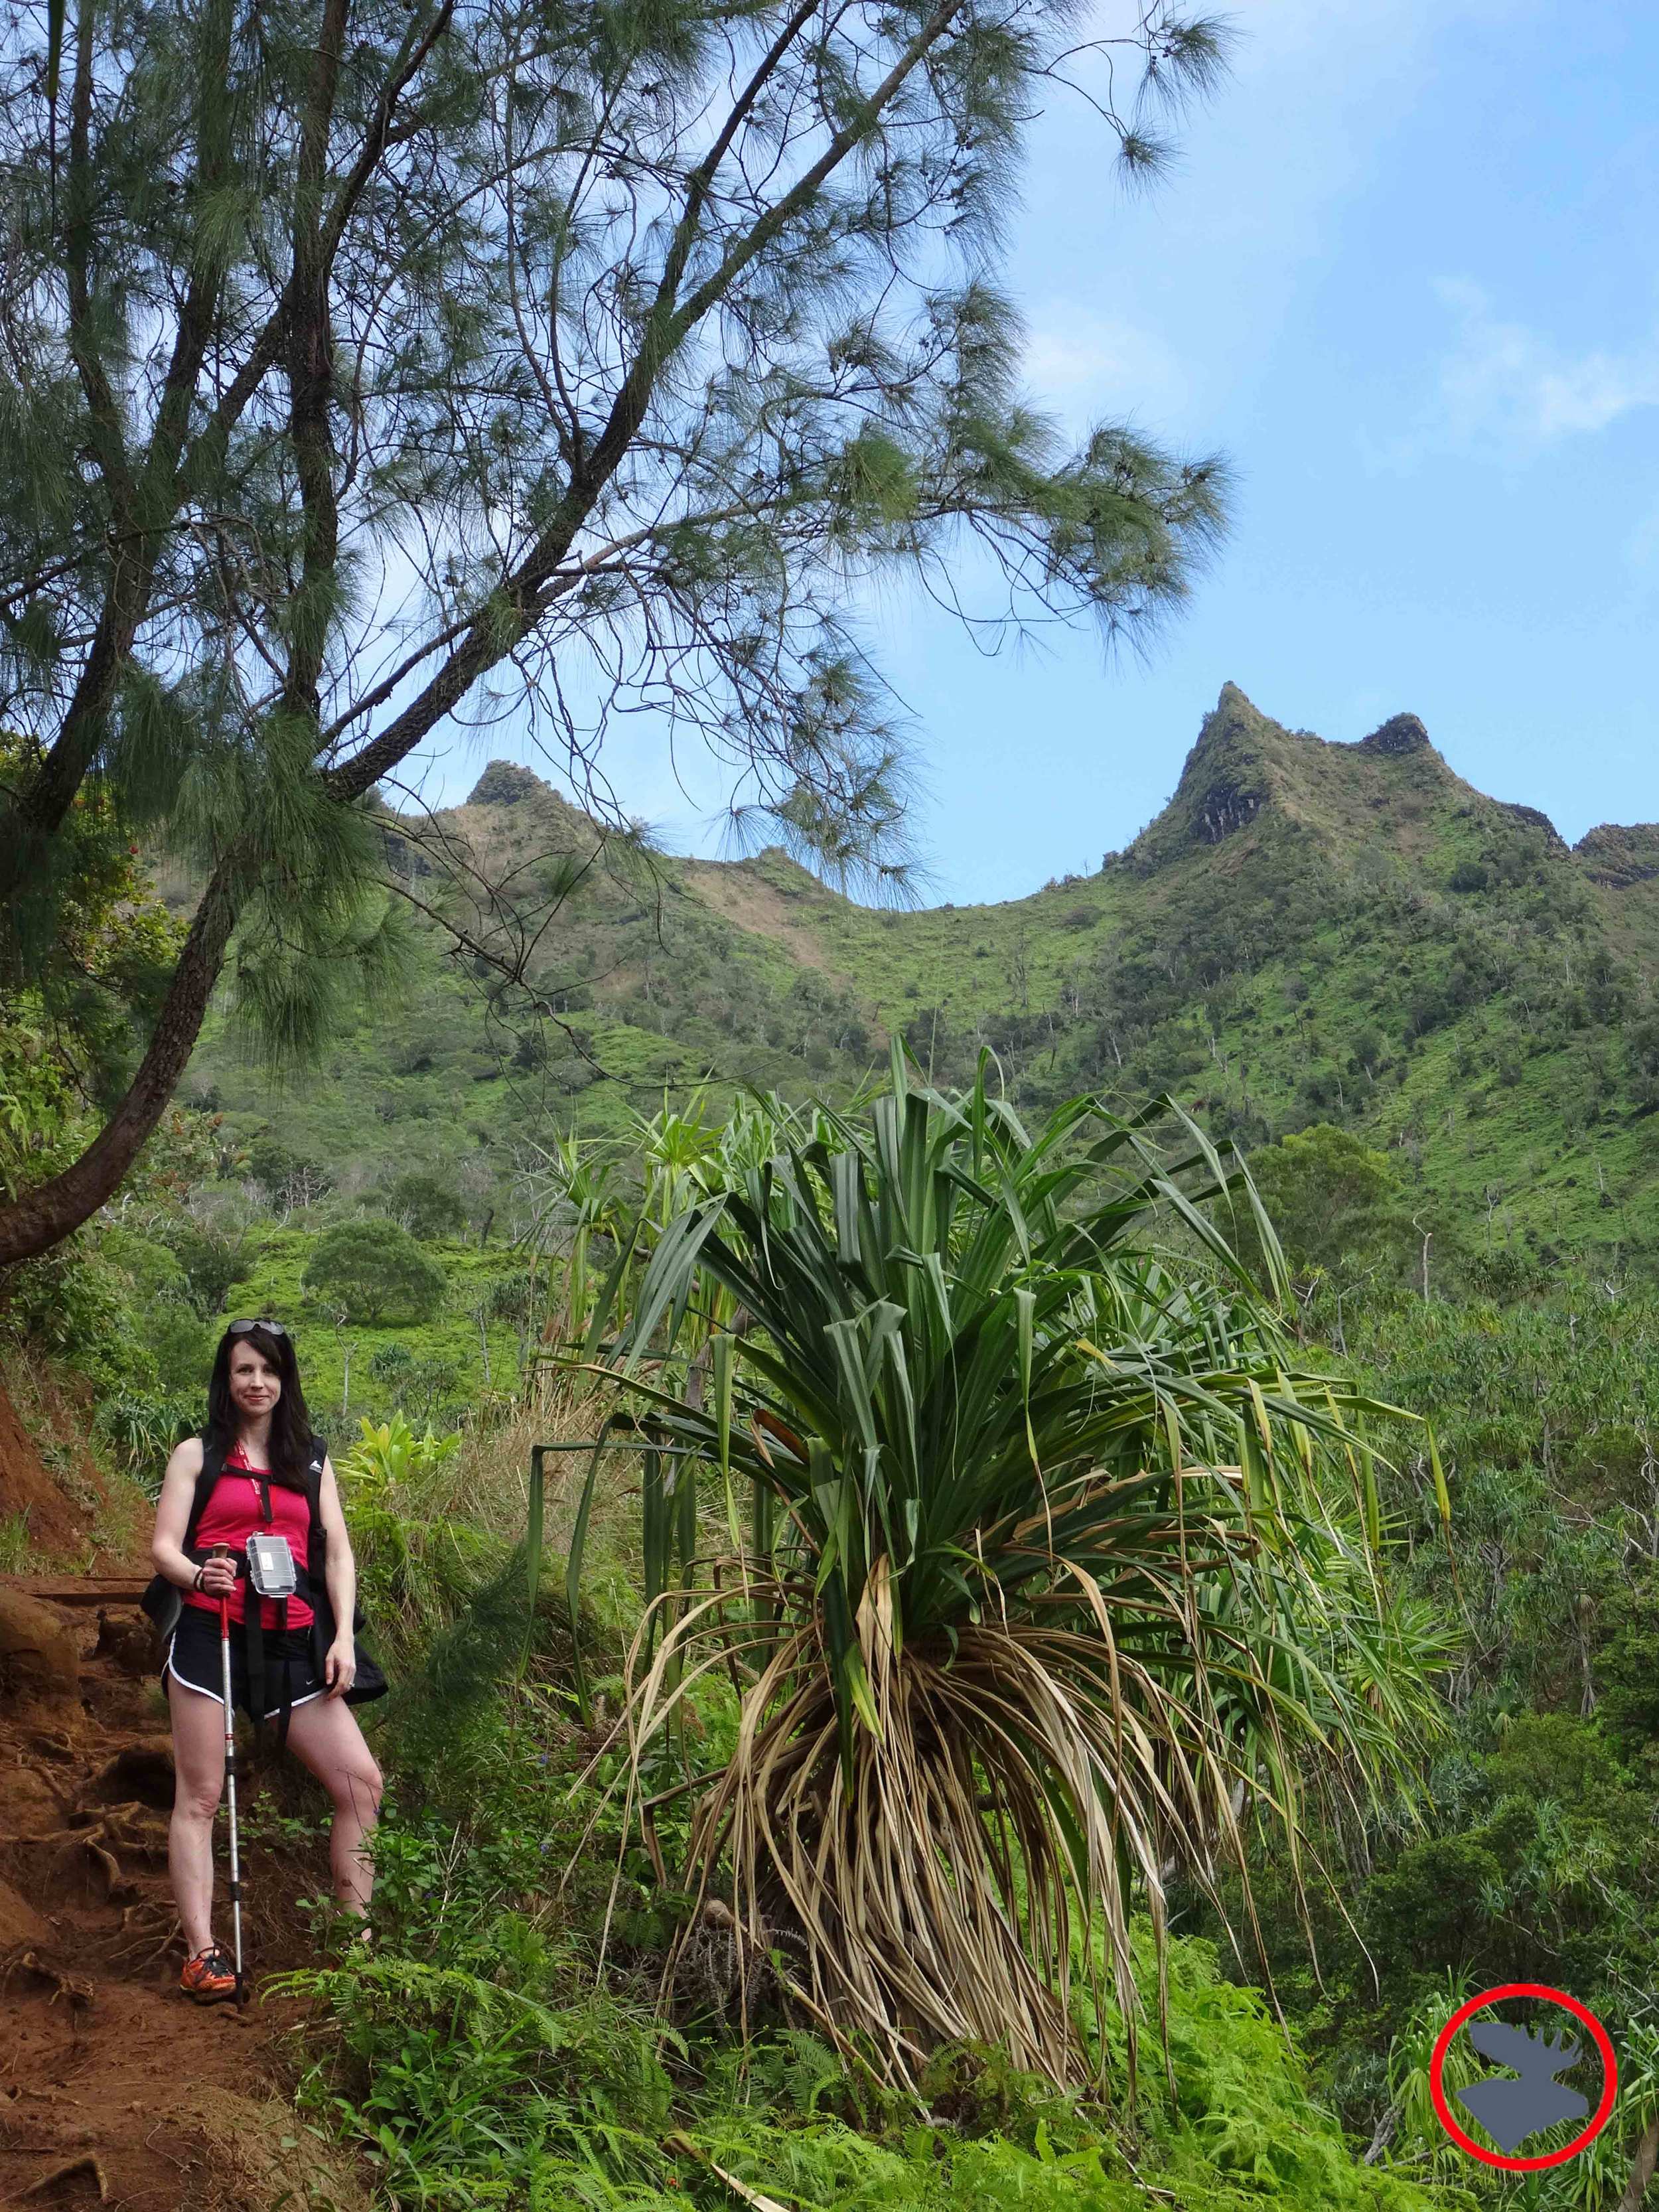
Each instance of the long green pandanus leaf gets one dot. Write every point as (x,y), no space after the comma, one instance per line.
(685,1499)
(575,1290)
(1258,1500)
(722,1359)
(852,1700)
(670,1272)
(1025,1307)
(657,1562)
(605,1304)
(845,1182)
(1373,1510)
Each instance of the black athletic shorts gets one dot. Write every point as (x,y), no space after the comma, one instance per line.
(193,1657)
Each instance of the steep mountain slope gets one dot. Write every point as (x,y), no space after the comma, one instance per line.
(1308,931)
(1322,931)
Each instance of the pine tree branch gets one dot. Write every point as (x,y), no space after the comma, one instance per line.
(794,202)
(503,626)
(385,131)
(151,504)
(199,316)
(212,441)
(701,181)
(103,409)
(144,510)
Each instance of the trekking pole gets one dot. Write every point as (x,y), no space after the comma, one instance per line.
(222,1551)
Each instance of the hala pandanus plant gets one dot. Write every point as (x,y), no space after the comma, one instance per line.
(1057,1576)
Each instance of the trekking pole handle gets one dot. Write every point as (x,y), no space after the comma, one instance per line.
(223,1551)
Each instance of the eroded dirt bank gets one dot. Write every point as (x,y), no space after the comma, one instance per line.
(113,2088)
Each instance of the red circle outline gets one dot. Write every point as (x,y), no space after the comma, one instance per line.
(1598,2118)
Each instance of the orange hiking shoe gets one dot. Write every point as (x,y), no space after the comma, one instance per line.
(209,1976)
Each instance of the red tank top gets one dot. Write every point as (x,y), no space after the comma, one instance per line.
(235,1512)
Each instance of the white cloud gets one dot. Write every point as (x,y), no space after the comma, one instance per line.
(1085,367)
(1506,386)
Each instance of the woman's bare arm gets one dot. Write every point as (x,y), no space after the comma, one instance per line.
(166,1547)
(341,1666)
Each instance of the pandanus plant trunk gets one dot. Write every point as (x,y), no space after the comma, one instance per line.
(926,1888)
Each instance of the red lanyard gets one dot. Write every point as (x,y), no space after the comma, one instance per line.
(259,1481)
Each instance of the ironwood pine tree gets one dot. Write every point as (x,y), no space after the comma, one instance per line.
(369,368)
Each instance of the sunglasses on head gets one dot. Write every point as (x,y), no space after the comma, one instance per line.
(241,1328)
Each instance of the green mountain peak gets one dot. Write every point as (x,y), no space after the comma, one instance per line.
(1248,771)
(1401,733)
(1308,931)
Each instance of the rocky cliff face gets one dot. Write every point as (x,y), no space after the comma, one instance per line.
(1247,774)
(1247,771)
(1535,819)
(1401,733)
(1619,856)
(1224,785)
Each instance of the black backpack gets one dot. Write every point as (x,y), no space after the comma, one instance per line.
(164,1602)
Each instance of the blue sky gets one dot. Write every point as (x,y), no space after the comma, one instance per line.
(1406,277)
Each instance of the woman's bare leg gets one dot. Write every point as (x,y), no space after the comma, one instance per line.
(324,1735)
(198,1769)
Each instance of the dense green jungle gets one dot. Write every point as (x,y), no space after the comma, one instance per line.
(1432,1032)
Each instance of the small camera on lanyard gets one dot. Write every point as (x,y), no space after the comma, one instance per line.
(271,1567)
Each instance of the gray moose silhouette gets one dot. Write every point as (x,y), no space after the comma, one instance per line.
(1510,2111)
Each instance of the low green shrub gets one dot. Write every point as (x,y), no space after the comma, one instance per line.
(419,1557)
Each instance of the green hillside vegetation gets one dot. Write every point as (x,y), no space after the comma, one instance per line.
(1345,934)
(1431,1027)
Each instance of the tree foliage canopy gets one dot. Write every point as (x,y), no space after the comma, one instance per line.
(1330,1194)
(375,366)
(375,1271)
(423,1202)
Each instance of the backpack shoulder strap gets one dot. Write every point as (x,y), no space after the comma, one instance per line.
(311,1475)
(316,1592)
(213,1464)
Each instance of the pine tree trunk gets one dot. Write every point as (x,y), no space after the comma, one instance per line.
(43,1217)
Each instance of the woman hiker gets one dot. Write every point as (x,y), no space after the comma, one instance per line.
(258,1469)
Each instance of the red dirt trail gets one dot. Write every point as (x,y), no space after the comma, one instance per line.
(113,2088)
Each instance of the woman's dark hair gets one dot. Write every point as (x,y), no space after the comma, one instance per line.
(290,1420)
